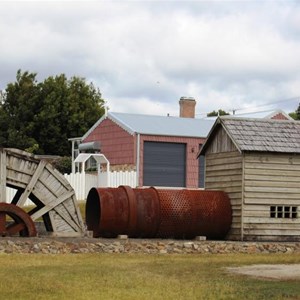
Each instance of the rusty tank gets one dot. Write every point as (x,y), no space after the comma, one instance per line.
(158,213)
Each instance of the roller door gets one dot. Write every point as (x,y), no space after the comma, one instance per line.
(164,164)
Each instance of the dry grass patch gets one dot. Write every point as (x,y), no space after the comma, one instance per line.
(124,276)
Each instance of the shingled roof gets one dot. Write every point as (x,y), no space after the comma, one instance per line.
(260,134)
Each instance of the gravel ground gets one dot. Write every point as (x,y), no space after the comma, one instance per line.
(281,272)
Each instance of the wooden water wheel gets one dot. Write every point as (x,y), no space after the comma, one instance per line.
(54,198)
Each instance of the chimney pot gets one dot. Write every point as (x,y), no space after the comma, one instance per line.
(187,107)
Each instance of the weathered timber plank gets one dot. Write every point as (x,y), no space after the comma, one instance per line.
(273,226)
(59,177)
(67,218)
(272,189)
(271,201)
(233,189)
(286,232)
(272,222)
(228,178)
(2,176)
(272,177)
(271,195)
(261,172)
(228,184)
(31,184)
(236,166)
(256,213)
(222,154)
(275,159)
(271,238)
(271,184)
(51,205)
(280,167)
(264,207)
(223,160)
(223,172)
(235,202)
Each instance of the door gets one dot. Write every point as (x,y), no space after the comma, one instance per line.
(164,164)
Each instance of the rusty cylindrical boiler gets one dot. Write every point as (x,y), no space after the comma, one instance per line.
(158,213)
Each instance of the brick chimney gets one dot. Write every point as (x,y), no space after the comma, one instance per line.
(187,107)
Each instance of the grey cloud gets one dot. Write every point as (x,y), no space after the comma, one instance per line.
(224,53)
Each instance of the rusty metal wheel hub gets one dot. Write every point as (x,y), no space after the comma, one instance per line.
(15,221)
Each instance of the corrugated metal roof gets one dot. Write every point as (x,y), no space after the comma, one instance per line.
(162,125)
(263,135)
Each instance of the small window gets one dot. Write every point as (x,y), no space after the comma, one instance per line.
(286,212)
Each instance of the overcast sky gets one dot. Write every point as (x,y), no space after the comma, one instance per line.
(145,55)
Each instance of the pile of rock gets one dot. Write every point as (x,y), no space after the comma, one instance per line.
(57,246)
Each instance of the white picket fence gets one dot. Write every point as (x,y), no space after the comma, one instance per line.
(82,183)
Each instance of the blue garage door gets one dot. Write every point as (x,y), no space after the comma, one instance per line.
(164,164)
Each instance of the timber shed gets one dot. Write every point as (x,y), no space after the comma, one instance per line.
(257,162)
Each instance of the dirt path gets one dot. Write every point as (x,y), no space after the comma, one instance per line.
(282,272)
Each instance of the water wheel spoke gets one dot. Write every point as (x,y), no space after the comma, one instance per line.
(2,221)
(15,228)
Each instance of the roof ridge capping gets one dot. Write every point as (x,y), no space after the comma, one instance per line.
(257,119)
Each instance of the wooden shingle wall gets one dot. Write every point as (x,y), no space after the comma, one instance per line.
(271,180)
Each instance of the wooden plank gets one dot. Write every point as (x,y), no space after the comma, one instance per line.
(63,216)
(236,166)
(271,238)
(280,167)
(271,201)
(272,195)
(271,184)
(68,219)
(273,159)
(281,190)
(273,232)
(31,184)
(223,172)
(51,205)
(268,220)
(265,207)
(222,185)
(59,177)
(2,175)
(221,155)
(270,172)
(228,178)
(234,189)
(272,177)
(274,226)
(223,160)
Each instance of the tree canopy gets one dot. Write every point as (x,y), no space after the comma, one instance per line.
(40,116)
(220,112)
(296,114)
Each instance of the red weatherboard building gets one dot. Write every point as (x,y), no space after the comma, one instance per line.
(162,149)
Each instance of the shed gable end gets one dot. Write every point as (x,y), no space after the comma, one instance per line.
(221,142)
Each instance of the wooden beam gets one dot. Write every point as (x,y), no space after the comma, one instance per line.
(31,183)
(2,176)
(51,205)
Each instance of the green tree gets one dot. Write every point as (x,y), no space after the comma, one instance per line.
(296,114)
(220,112)
(42,116)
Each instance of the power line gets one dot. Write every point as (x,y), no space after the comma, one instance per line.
(257,106)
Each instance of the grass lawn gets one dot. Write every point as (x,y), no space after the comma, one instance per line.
(129,276)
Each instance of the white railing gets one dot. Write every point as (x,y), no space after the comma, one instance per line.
(82,183)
